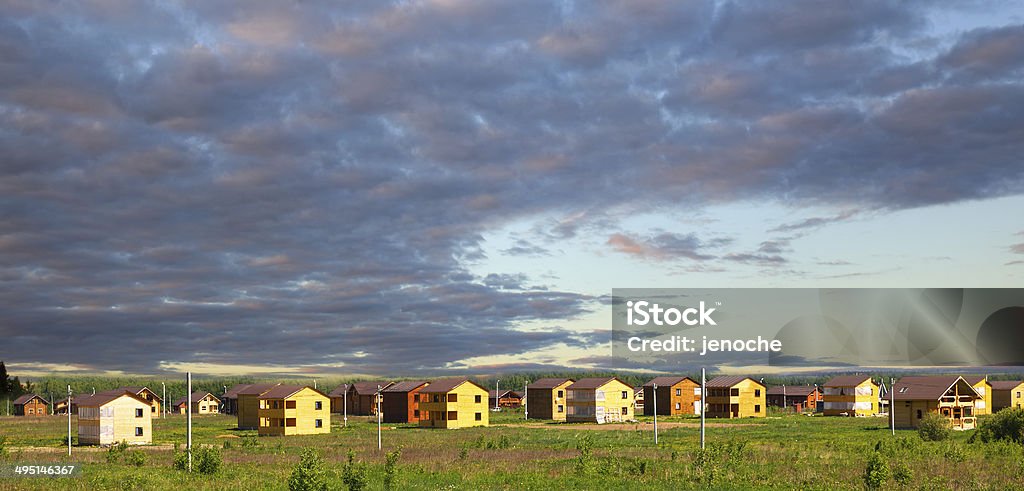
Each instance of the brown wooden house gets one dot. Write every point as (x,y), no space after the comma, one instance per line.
(247,405)
(401,402)
(506,398)
(229,400)
(61,406)
(362,400)
(546,398)
(31,405)
(338,398)
(676,396)
(798,398)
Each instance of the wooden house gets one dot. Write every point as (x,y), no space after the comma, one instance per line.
(362,397)
(984,389)
(294,410)
(798,398)
(1007,393)
(61,406)
(735,396)
(505,398)
(106,419)
(948,395)
(31,405)
(638,400)
(401,402)
(676,396)
(546,398)
(453,403)
(247,405)
(203,402)
(600,400)
(850,395)
(155,402)
(229,399)
(339,398)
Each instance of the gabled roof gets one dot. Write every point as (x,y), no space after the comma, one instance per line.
(594,382)
(847,380)
(975,379)
(286,391)
(370,387)
(667,381)
(28,397)
(726,381)
(548,383)
(448,385)
(1006,384)
(104,398)
(505,393)
(406,386)
(930,387)
(232,393)
(255,389)
(196,397)
(791,390)
(137,390)
(339,391)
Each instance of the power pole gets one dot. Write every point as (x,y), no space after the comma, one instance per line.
(703,405)
(496,394)
(526,402)
(69,421)
(163,413)
(345,403)
(188,404)
(892,405)
(379,446)
(655,408)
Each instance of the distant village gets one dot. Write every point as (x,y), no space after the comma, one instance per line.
(126,413)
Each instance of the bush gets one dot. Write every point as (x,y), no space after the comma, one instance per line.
(309,474)
(180,461)
(135,458)
(250,442)
(116,452)
(706,466)
(354,473)
(877,471)
(902,474)
(390,467)
(955,453)
(586,447)
(1007,424)
(207,459)
(933,428)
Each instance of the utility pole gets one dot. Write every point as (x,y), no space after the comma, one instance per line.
(345,399)
(655,408)
(496,394)
(69,421)
(188,404)
(892,405)
(783,397)
(379,446)
(526,402)
(703,405)
(163,413)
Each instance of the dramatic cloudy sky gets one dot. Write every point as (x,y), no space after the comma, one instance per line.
(426,186)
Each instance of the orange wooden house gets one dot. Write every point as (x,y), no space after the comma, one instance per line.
(31,405)
(401,402)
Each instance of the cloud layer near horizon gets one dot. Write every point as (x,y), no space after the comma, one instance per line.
(302,184)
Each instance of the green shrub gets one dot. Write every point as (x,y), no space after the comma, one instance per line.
(309,474)
(226,445)
(877,471)
(1007,424)
(135,458)
(706,467)
(955,453)
(116,452)
(464,453)
(132,483)
(584,460)
(902,474)
(180,461)
(391,467)
(207,459)
(250,442)
(933,428)
(354,473)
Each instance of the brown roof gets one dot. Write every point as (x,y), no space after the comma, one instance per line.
(102,398)
(196,397)
(726,381)
(133,389)
(286,391)
(975,379)
(339,391)
(28,397)
(232,393)
(847,380)
(548,383)
(667,381)
(407,386)
(593,383)
(369,388)
(1005,384)
(255,389)
(447,385)
(505,393)
(930,387)
(791,390)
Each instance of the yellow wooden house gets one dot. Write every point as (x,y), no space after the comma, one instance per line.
(948,395)
(600,400)
(203,402)
(247,405)
(106,419)
(1007,393)
(735,396)
(453,403)
(294,410)
(850,395)
(984,389)
(155,401)
(546,398)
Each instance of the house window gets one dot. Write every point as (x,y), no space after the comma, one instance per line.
(289,422)
(453,415)
(561,408)
(679,392)
(757,408)
(202,408)
(318,405)
(757,392)
(416,398)
(678,407)
(416,413)
(918,414)
(138,431)
(478,417)
(625,410)
(453,397)
(319,423)
(734,392)
(437,398)
(138,412)
(477,399)
(560,394)
(624,395)
(289,404)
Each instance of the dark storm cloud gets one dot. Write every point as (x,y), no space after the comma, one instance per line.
(305,183)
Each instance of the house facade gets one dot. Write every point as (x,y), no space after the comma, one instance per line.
(1007,393)
(948,395)
(675,395)
(401,402)
(203,402)
(293,410)
(600,400)
(984,389)
(155,402)
(247,405)
(504,398)
(31,405)
(453,403)
(850,395)
(546,398)
(798,398)
(362,397)
(106,419)
(735,396)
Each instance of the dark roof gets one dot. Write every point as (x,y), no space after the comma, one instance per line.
(339,391)
(930,387)
(136,389)
(593,383)
(232,393)
(847,380)
(505,393)
(975,379)
(28,397)
(726,381)
(255,389)
(196,397)
(105,397)
(285,391)
(791,390)
(447,385)
(407,386)
(548,383)
(369,388)
(667,381)
(1005,384)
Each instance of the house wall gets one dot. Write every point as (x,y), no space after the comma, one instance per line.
(470,403)
(361,404)
(546,403)
(1002,399)
(248,411)
(983,405)
(851,402)
(612,401)
(675,400)
(115,422)
(749,401)
(208,405)
(305,415)
(35,407)
(402,407)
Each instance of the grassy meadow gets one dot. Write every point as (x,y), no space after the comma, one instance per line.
(780,452)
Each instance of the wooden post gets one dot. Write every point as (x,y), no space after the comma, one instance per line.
(703,405)
(892,406)
(69,421)
(655,408)
(188,405)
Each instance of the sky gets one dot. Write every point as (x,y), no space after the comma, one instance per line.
(436,187)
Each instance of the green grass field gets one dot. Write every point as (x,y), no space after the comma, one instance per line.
(783,452)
